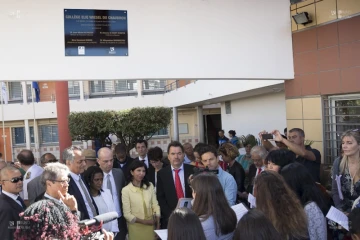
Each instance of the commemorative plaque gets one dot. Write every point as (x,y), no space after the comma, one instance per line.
(96,32)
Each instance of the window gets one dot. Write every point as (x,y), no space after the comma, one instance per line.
(19,137)
(125,85)
(15,91)
(161,132)
(154,84)
(101,86)
(74,88)
(341,113)
(49,134)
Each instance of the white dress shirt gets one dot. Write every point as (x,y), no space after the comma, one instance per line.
(187,160)
(105,204)
(181,175)
(257,170)
(34,171)
(113,190)
(77,178)
(13,196)
(146,160)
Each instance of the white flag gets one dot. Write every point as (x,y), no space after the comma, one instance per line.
(4,93)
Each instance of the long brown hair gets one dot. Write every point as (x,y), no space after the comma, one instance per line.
(345,160)
(280,205)
(210,200)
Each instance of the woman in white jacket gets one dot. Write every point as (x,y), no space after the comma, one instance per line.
(94,177)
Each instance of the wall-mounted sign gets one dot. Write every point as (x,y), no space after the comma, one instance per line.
(95,32)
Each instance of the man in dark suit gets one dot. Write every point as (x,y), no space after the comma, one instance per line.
(141,147)
(11,203)
(76,162)
(114,180)
(122,160)
(172,182)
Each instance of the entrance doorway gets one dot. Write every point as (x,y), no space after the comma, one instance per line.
(212,125)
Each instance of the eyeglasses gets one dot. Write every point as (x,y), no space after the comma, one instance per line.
(62,182)
(15,179)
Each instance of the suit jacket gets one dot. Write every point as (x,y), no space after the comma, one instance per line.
(251,176)
(35,188)
(125,168)
(120,181)
(75,191)
(9,215)
(151,173)
(166,193)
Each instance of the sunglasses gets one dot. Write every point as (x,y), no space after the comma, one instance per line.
(15,179)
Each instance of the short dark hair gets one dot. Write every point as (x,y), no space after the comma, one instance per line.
(298,130)
(255,225)
(208,148)
(120,147)
(285,130)
(185,224)
(134,165)
(42,158)
(232,132)
(175,144)
(140,141)
(199,146)
(354,221)
(280,157)
(155,154)
(222,131)
(26,157)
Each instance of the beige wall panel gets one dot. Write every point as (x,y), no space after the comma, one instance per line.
(311,10)
(313,130)
(312,108)
(347,7)
(293,7)
(294,109)
(294,124)
(319,146)
(304,3)
(325,11)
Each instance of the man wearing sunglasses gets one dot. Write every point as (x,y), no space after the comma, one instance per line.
(34,187)
(11,203)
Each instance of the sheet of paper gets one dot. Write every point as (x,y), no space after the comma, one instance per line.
(338,183)
(252,200)
(339,217)
(163,233)
(239,210)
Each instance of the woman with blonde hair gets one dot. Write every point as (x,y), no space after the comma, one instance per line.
(347,170)
(281,206)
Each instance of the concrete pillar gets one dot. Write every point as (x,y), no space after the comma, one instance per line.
(24,92)
(200,123)
(81,87)
(139,87)
(63,110)
(176,124)
(27,134)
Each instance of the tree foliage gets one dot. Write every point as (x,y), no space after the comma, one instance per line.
(128,126)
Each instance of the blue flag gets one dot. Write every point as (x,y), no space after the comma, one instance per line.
(37,91)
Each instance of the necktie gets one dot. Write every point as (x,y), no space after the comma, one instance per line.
(178,187)
(108,184)
(21,201)
(87,196)
(259,171)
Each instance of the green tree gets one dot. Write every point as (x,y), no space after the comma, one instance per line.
(128,126)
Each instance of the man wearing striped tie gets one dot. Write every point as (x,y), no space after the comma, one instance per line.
(75,160)
(11,204)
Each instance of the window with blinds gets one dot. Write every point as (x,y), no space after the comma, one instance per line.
(74,89)
(15,91)
(19,135)
(341,113)
(48,134)
(162,132)
(101,88)
(153,87)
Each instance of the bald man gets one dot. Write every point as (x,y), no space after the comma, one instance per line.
(11,203)
(114,180)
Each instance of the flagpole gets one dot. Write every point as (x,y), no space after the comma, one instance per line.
(32,99)
(3,121)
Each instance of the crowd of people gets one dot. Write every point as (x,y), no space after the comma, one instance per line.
(48,200)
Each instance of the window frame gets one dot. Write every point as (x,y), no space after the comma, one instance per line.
(41,138)
(32,139)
